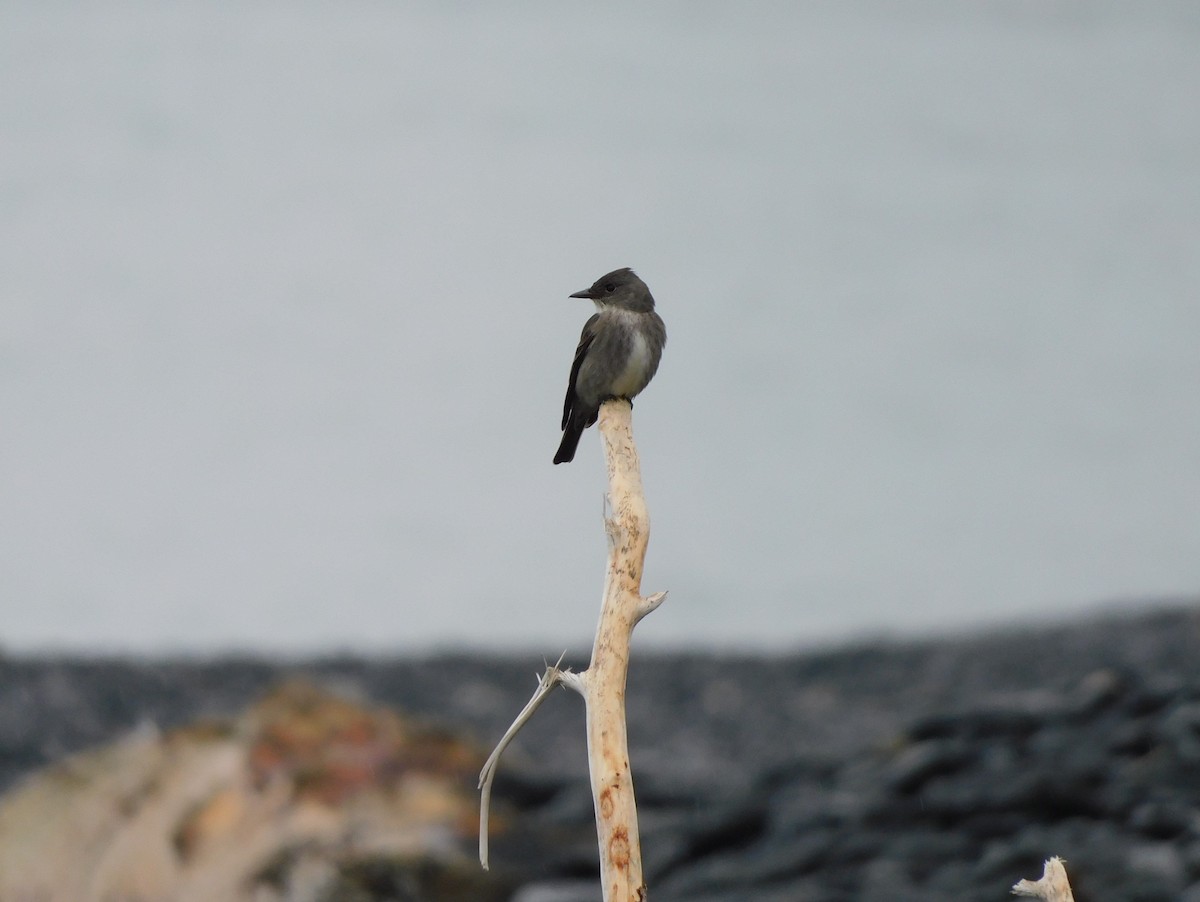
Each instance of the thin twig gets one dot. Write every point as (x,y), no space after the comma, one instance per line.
(551,678)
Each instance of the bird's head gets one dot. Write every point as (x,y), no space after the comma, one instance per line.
(620,288)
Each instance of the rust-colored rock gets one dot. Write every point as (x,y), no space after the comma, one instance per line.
(307,795)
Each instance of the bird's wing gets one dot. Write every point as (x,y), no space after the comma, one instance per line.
(585,341)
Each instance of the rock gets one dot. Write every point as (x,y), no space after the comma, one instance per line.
(304,796)
(560,891)
(1159,864)
(1163,818)
(935,770)
(917,764)
(1181,730)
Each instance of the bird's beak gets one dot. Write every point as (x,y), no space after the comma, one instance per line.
(586,293)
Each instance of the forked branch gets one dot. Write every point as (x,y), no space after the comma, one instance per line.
(602,685)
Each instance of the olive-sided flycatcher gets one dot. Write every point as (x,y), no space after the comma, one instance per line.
(617,356)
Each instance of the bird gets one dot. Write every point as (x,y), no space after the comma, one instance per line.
(618,353)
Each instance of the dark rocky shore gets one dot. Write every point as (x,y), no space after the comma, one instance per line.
(939,770)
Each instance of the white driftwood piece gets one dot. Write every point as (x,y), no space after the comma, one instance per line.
(602,685)
(1053,886)
(551,678)
(628,527)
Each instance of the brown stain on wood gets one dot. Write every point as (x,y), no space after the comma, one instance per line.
(618,848)
(606,804)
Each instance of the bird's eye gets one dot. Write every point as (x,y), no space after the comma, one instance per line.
(609,287)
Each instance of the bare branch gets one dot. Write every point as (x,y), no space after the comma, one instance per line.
(627,527)
(576,682)
(551,678)
(602,685)
(1053,886)
(648,604)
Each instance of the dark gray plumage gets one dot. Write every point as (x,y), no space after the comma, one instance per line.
(617,356)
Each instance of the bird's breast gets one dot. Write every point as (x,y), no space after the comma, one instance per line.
(632,379)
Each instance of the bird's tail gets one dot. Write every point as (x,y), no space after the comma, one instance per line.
(570,440)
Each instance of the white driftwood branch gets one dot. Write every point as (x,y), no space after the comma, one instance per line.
(602,685)
(574,682)
(628,530)
(551,678)
(1053,887)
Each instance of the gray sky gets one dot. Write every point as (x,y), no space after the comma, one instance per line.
(286,325)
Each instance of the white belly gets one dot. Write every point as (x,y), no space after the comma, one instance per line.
(633,378)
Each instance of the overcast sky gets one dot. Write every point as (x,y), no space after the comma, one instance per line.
(286,325)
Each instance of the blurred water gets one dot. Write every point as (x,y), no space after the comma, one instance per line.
(285,326)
